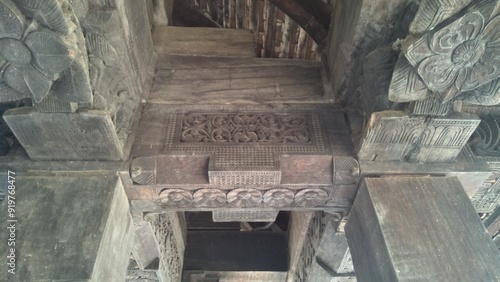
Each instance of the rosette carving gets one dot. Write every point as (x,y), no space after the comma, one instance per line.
(37,53)
(311,197)
(209,198)
(457,62)
(278,197)
(244,198)
(176,198)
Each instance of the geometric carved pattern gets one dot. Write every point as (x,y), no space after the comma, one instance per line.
(395,136)
(485,142)
(236,128)
(346,170)
(244,177)
(244,215)
(487,198)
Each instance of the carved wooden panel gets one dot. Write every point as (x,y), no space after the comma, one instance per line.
(214,157)
(395,136)
(169,237)
(245,128)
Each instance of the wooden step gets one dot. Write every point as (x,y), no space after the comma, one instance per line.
(202,41)
(190,79)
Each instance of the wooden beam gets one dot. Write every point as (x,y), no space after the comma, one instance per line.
(419,229)
(304,19)
(318,9)
(271,30)
(225,11)
(187,13)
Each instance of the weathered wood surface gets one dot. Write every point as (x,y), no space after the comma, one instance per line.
(419,229)
(70,227)
(304,19)
(204,41)
(184,79)
(471,174)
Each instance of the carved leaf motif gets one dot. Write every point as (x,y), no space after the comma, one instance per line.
(50,53)
(11,20)
(98,46)
(74,85)
(8,94)
(28,81)
(433,12)
(47,12)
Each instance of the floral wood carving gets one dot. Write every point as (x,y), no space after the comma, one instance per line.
(456,62)
(176,198)
(209,198)
(278,197)
(244,198)
(238,128)
(39,51)
(311,197)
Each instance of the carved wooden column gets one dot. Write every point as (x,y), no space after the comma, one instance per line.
(419,229)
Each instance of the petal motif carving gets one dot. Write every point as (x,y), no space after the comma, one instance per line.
(74,84)
(12,20)
(244,198)
(278,197)
(47,12)
(50,53)
(8,94)
(311,197)
(209,198)
(176,198)
(433,12)
(27,80)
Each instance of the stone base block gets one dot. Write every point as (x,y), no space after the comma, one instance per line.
(86,135)
(67,227)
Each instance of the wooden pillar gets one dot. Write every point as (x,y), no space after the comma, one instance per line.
(70,226)
(419,229)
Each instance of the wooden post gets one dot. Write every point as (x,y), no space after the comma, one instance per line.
(419,229)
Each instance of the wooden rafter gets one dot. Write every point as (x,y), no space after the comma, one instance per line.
(304,19)
(187,13)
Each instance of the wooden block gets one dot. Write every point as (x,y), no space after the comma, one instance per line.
(204,41)
(419,229)
(70,227)
(86,135)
